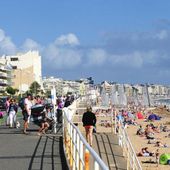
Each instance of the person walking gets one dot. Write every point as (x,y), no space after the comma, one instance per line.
(89,121)
(59,110)
(27,111)
(7,103)
(12,111)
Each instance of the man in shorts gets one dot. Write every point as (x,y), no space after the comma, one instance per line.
(27,111)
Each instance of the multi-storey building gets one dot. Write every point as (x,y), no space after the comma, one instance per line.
(5,77)
(64,87)
(48,84)
(26,69)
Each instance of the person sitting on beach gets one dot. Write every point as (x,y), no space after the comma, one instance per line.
(149,132)
(120,117)
(157,156)
(154,128)
(140,131)
(144,152)
(151,141)
(160,144)
(148,129)
(165,129)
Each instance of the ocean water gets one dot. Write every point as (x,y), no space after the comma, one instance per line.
(163,102)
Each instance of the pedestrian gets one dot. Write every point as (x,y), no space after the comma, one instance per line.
(27,111)
(7,103)
(89,121)
(12,111)
(59,110)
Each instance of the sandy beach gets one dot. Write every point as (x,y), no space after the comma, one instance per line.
(139,142)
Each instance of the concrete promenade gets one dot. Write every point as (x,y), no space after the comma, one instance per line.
(31,152)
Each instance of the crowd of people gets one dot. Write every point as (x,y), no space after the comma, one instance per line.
(149,127)
(27,104)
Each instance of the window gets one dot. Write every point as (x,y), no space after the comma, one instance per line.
(14,59)
(14,67)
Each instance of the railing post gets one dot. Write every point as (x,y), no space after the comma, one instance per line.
(71,147)
(74,148)
(112,116)
(77,149)
(87,160)
(96,166)
(77,152)
(81,155)
(128,158)
(68,141)
(133,162)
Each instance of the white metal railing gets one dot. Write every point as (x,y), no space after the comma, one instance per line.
(125,143)
(80,155)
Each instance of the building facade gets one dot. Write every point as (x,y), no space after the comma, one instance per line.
(26,69)
(5,77)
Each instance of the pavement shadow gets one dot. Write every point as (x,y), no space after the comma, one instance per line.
(52,154)
(109,150)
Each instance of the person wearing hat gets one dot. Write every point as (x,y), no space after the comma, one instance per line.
(89,121)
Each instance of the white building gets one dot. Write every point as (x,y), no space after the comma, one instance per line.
(49,82)
(26,69)
(5,77)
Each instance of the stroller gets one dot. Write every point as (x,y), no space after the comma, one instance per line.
(38,113)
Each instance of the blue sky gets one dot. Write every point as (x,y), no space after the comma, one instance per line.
(126,41)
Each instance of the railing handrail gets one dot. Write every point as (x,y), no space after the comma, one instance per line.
(93,153)
(128,142)
(96,157)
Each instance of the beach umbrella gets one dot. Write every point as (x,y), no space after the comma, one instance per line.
(114,96)
(122,95)
(104,98)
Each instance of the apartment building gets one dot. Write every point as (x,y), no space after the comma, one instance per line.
(26,69)
(49,82)
(5,76)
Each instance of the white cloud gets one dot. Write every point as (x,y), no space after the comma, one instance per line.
(142,51)
(163,34)
(30,44)
(69,39)
(62,58)
(6,45)
(96,57)
(134,60)
(2,35)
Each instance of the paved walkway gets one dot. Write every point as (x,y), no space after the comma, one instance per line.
(106,145)
(32,152)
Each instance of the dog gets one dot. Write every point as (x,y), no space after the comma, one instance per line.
(18,125)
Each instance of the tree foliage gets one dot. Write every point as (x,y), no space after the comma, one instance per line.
(10,90)
(35,88)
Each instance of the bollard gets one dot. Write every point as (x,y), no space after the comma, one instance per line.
(87,159)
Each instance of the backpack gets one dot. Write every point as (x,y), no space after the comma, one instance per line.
(21,104)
